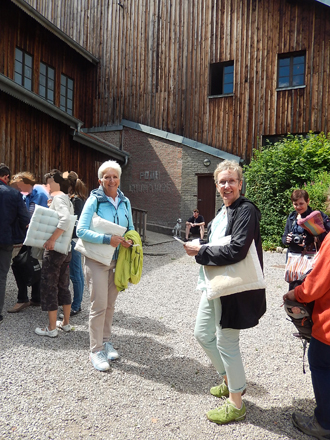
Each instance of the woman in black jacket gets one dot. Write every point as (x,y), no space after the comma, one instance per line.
(295,236)
(226,316)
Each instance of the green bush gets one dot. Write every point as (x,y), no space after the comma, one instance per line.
(276,170)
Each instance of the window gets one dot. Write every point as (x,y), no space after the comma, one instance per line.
(66,95)
(222,78)
(291,70)
(23,68)
(46,82)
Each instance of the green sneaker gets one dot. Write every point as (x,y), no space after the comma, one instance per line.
(220,390)
(227,413)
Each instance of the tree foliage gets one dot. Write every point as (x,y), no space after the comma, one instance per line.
(276,170)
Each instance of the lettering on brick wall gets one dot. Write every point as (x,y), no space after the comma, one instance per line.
(150,188)
(149,175)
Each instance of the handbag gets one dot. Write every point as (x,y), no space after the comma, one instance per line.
(26,267)
(297,265)
(100,252)
(234,278)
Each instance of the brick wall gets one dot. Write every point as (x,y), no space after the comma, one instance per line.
(161,176)
(153,177)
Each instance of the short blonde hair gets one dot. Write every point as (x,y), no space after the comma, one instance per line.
(228,165)
(109,164)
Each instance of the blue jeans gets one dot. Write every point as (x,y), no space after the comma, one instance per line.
(6,251)
(77,277)
(319,363)
(220,345)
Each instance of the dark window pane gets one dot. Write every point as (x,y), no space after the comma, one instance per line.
(298,80)
(18,67)
(27,83)
(28,72)
(228,78)
(299,60)
(70,94)
(18,55)
(50,96)
(51,84)
(43,68)
(284,71)
(51,73)
(28,60)
(69,104)
(70,84)
(284,62)
(42,80)
(284,82)
(62,102)
(42,91)
(227,88)
(18,78)
(69,111)
(63,90)
(228,69)
(63,80)
(298,69)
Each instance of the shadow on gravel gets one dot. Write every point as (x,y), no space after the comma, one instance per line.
(278,419)
(153,361)
(140,324)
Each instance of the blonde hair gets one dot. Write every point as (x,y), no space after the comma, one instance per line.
(228,165)
(25,177)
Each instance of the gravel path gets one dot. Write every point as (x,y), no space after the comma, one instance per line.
(159,388)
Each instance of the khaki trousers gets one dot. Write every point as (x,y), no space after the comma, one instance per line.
(103,293)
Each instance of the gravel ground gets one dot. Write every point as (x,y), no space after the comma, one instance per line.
(159,389)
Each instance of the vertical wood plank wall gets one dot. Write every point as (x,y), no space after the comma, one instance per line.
(155,57)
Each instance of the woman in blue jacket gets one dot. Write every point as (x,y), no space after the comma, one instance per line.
(109,203)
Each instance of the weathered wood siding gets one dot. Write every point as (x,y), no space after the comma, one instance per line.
(20,30)
(155,57)
(32,141)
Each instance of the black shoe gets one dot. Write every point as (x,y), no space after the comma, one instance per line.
(75,312)
(310,426)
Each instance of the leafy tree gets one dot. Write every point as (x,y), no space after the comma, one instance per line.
(276,170)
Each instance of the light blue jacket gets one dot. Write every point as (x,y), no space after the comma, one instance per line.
(98,202)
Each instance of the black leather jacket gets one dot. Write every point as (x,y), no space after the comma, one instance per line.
(244,309)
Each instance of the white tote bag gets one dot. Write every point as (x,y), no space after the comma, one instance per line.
(234,278)
(100,252)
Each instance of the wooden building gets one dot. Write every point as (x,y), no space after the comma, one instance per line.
(204,80)
(47,87)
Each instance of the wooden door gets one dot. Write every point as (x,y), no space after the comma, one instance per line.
(206,197)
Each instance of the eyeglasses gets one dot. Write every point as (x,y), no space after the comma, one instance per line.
(231,182)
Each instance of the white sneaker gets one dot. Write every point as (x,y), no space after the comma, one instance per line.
(45,332)
(66,328)
(99,361)
(110,352)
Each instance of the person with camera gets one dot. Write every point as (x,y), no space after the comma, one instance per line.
(296,237)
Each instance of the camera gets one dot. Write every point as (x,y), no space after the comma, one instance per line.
(297,238)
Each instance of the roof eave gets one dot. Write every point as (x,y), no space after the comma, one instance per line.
(9,86)
(103,147)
